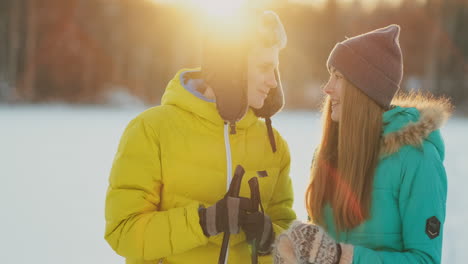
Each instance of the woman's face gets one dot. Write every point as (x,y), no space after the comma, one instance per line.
(334,89)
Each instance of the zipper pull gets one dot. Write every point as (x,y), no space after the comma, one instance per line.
(233,128)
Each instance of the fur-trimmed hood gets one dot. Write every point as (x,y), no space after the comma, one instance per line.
(412,120)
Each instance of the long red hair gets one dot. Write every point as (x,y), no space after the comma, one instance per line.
(342,172)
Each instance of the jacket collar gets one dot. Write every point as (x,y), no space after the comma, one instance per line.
(412,120)
(177,94)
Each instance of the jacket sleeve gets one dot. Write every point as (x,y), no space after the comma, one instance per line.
(422,198)
(280,206)
(135,226)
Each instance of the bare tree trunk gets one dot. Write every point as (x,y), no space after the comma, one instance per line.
(29,78)
(458,64)
(14,37)
(3,44)
(117,47)
(431,79)
(452,66)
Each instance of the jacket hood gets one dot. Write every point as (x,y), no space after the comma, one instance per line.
(178,95)
(412,120)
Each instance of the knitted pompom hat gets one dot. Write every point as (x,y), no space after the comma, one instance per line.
(372,62)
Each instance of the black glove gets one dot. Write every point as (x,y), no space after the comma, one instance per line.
(223,216)
(258,228)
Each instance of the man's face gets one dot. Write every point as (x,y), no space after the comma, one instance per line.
(262,63)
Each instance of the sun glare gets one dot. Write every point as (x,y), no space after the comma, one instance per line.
(226,18)
(218,9)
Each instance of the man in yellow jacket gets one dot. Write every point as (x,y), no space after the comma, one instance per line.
(169,178)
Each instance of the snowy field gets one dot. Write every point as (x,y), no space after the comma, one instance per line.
(54,166)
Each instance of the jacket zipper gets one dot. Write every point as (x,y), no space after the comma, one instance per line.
(227,145)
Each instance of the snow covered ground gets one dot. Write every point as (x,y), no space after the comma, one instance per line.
(54,165)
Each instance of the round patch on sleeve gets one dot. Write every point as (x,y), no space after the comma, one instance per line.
(432,227)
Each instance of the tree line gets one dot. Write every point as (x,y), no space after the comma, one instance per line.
(79,51)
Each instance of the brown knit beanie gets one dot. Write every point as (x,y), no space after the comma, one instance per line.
(372,62)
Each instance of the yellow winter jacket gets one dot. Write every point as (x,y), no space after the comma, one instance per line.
(171,159)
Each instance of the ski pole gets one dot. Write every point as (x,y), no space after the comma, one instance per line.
(234,189)
(255,198)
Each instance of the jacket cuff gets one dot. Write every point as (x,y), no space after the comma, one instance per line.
(190,228)
(347,252)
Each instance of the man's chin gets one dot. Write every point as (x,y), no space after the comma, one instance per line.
(257,106)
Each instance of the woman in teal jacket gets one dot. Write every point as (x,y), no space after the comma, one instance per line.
(378,185)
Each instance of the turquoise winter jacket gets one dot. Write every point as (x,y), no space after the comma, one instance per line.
(409,194)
